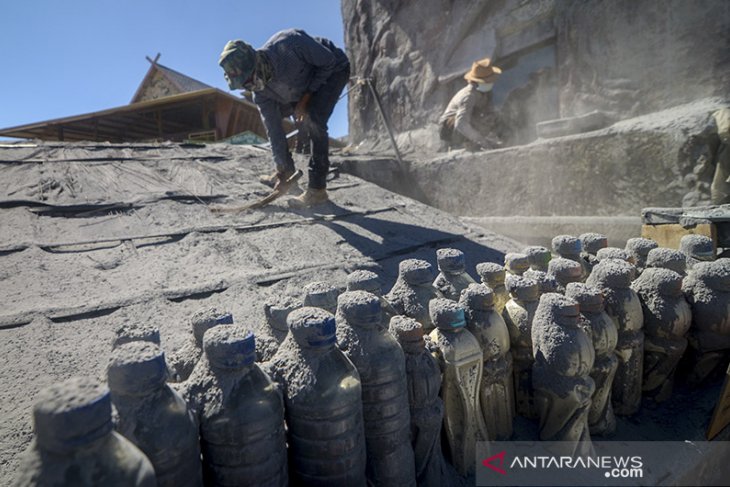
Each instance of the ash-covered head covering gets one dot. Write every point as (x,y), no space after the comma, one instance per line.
(238,60)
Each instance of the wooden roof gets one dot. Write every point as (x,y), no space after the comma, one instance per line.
(162,81)
(173,117)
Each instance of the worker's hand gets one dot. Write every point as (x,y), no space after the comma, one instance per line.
(300,111)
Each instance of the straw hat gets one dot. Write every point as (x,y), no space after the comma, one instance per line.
(482,71)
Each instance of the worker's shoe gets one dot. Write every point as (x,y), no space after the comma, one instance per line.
(311,197)
(277,179)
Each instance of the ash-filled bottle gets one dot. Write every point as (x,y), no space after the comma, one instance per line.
(139,332)
(707,288)
(570,247)
(565,271)
(182,361)
(133,332)
(240,412)
(323,397)
(603,332)
(518,315)
(539,257)
(564,358)
(516,263)
(667,319)
(152,415)
(697,248)
(613,278)
(274,330)
(462,361)
(546,283)
(592,243)
(364,280)
(639,248)
(75,443)
(452,278)
(382,367)
(413,290)
(497,387)
(614,253)
(427,408)
(665,258)
(321,295)
(493,275)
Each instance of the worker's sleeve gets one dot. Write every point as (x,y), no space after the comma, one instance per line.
(271,116)
(462,121)
(322,60)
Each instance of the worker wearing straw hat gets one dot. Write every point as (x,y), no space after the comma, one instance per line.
(456,128)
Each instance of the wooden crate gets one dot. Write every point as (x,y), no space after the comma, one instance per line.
(669,234)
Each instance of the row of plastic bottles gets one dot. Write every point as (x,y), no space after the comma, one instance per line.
(347,389)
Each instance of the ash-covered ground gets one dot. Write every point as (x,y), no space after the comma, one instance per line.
(97,235)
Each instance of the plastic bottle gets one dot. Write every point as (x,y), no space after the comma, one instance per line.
(427,408)
(452,278)
(707,288)
(565,271)
(323,396)
(183,361)
(364,280)
(274,330)
(614,253)
(413,290)
(697,248)
(382,367)
(539,257)
(592,243)
(497,387)
(516,263)
(570,247)
(132,332)
(667,319)
(613,277)
(601,418)
(321,295)
(662,257)
(493,275)
(563,386)
(518,315)
(240,412)
(75,443)
(461,360)
(546,283)
(152,415)
(639,248)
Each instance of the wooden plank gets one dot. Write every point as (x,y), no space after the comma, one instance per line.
(670,234)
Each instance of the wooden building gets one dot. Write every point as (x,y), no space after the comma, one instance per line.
(167,105)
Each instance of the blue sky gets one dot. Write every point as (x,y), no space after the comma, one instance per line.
(62,58)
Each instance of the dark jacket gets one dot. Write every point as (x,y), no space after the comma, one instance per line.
(300,64)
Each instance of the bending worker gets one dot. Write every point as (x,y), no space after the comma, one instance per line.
(456,128)
(292,72)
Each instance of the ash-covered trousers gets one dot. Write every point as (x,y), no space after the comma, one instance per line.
(320,109)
